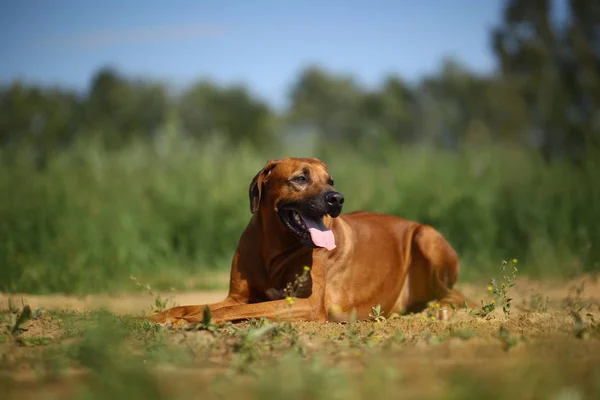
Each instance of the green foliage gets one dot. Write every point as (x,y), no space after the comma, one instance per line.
(508,339)
(376,314)
(175,207)
(118,110)
(230,113)
(555,67)
(131,180)
(500,291)
(331,105)
(206,324)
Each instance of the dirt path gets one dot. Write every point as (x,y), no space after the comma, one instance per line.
(130,303)
(523,293)
(536,351)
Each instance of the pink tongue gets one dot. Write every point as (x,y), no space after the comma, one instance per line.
(322,238)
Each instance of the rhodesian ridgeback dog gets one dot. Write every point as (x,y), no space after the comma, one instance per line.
(350,262)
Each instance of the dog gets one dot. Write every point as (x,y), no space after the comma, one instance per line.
(300,259)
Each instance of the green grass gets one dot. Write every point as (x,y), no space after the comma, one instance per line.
(172,209)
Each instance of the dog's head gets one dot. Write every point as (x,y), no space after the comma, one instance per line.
(300,191)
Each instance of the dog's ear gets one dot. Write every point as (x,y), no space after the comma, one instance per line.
(257,184)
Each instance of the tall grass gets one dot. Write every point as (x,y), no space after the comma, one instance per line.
(173,208)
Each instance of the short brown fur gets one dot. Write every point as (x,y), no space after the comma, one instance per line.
(379,259)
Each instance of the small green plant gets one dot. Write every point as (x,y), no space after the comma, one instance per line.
(486,308)
(249,344)
(376,313)
(12,325)
(352,324)
(584,329)
(433,339)
(396,339)
(464,333)
(160,304)
(351,333)
(500,291)
(296,288)
(24,316)
(574,300)
(206,324)
(11,307)
(538,303)
(507,338)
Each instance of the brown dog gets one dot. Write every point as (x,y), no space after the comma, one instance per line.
(356,260)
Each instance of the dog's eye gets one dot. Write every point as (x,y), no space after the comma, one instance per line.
(299,179)
(330,182)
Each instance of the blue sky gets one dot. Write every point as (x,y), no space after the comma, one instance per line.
(263,44)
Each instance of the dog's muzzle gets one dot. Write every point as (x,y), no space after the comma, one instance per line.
(334,202)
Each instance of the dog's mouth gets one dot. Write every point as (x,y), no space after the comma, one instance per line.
(309,228)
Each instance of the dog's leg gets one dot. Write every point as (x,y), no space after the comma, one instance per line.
(439,268)
(239,293)
(455,300)
(177,313)
(279,310)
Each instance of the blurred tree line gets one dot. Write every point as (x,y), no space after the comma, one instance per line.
(546,96)
(109,194)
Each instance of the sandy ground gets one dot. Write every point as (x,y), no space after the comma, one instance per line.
(131,303)
(136,303)
(428,359)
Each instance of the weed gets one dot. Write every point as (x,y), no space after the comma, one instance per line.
(395,339)
(207,323)
(24,316)
(296,288)
(376,314)
(13,321)
(500,291)
(486,308)
(353,336)
(35,341)
(537,302)
(250,345)
(433,339)
(116,372)
(507,338)
(584,329)
(160,304)
(464,334)
(574,300)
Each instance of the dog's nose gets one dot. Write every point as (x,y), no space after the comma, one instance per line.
(334,199)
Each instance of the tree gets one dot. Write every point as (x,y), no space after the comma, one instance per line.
(332,105)
(42,118)
(118,110)
(453,103)
(230,113)
(556,69)
(393,110)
